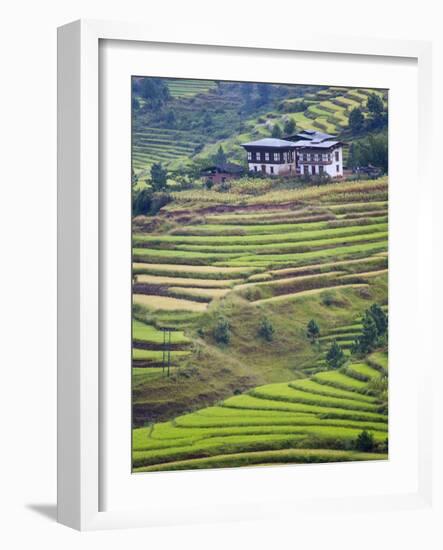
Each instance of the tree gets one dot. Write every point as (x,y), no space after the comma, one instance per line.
(368,338)
(289,127)
(375,104)
(141,202)
(380,319)
(222,331)
(266,330)
(155,91)
(356,119)
(158,177)
(312,331)
(335,356)
(220,156)
(372,150)
(365,442)
(276,131)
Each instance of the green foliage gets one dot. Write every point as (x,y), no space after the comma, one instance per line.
(276,131)
(368,339)
(147,203)
(335,356)
(374,332)
(220,156)
(372,150)
(155,91)
(289,127)
(375,104)
(266,330)
(158,177)
(312,331)
(380,318)
(356,119)
(141,202)
(365,442)
(222,331)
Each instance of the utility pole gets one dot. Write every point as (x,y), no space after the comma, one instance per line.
(169,351)
(164,351)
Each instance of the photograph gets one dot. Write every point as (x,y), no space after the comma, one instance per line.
(259,274)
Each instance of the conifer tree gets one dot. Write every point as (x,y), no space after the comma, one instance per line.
(312,331)
(335,356)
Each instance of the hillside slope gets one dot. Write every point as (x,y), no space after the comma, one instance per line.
(288,257)
(207,115)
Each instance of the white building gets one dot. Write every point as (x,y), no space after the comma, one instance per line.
(307,153)
(271,156)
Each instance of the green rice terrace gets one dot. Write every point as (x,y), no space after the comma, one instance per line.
(220,117)
(224,286)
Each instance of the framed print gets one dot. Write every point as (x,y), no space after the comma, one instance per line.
(240,227)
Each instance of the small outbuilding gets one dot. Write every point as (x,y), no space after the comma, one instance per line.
(220,173)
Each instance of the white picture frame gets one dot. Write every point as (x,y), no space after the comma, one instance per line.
(79,260)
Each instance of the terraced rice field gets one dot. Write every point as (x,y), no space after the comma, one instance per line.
(283,259)
(188,88)
(328,110)
(161,145)
(149,346)
(280,423)
(261,261)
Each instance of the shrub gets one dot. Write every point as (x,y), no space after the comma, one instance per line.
(222,331)
(266,330)
(365,442)
(158,200)
(141,202)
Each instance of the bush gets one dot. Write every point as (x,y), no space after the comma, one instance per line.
(266,330)
(222,331)
(141,202)
(158,201)
(365,442)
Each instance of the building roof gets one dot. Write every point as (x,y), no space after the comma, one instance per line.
(270,142)
(311,135)
(225,167)
(313,144)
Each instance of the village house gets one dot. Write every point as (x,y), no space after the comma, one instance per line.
(306,153)
(220,173)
